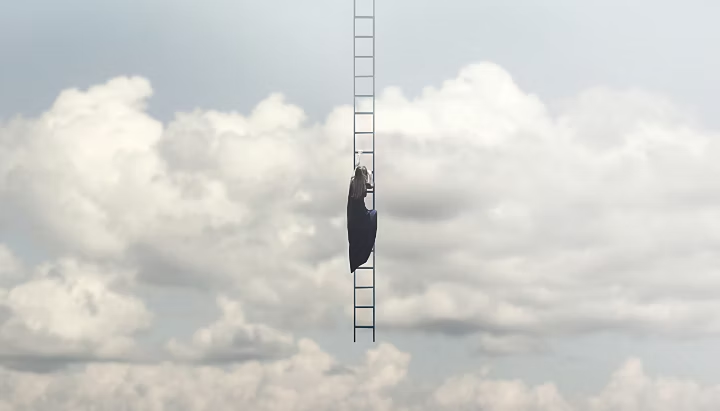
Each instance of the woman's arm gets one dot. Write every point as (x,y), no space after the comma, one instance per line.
(368,184)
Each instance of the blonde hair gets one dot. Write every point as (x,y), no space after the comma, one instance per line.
(357,183)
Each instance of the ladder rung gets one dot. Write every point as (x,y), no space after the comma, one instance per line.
(364,112)
(365,306)
(364,17)
(364,326)
(364,152)
(364,95)
(365,76)
(364,132)
(363,287)
(364,57)
(364,37)
(365,268)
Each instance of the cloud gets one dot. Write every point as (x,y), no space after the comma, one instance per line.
(68,311)
(598,217)
(498,216)
(231,338)
(475,392)
(630,389)
(11,268)
(310,380)
(509,344)
(74,177)
(303,381)
(211,201)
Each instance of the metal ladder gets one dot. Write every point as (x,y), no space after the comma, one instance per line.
(364,108)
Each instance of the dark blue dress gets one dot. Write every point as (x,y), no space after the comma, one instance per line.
(362,229)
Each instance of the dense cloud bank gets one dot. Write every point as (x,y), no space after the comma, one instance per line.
(499,218)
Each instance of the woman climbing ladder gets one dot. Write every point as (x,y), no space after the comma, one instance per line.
(361,222)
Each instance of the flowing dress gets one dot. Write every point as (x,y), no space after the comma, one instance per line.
(362,230)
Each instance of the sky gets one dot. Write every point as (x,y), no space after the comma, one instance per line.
(173,179)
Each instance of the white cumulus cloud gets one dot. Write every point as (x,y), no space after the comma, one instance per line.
(233,338)
(308,380)
(499,216)
(70,311)
(312,379)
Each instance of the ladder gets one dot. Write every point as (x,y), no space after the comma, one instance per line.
(364,113)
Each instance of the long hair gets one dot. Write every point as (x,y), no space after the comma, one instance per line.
(357,183)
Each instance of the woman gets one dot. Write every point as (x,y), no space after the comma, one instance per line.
(361,222)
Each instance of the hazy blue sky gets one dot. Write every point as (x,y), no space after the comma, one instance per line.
(230,54)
